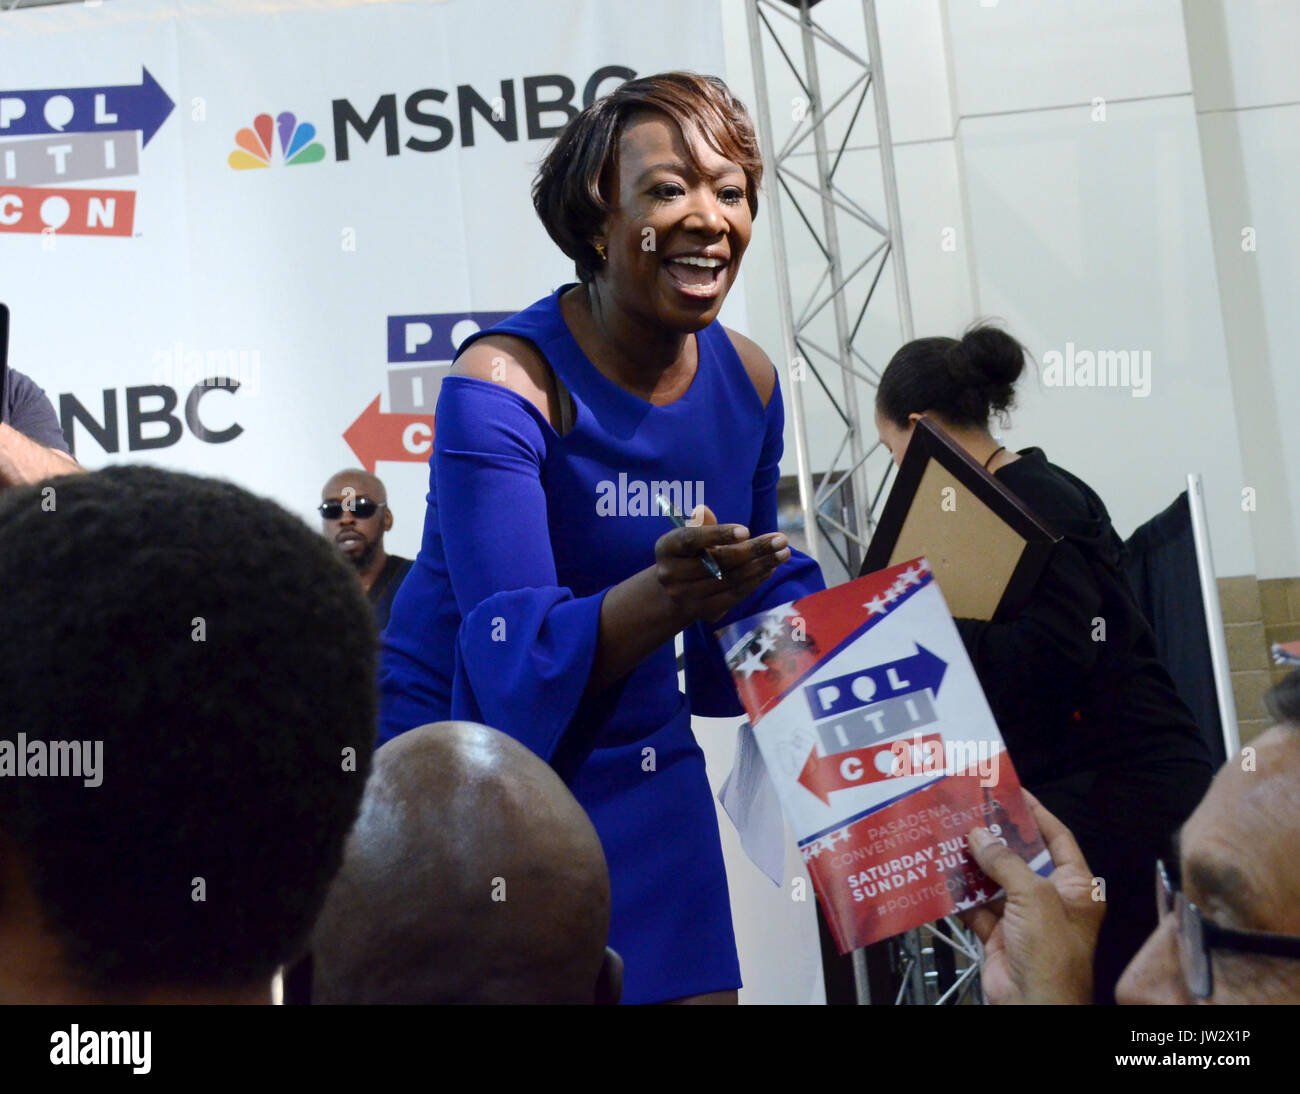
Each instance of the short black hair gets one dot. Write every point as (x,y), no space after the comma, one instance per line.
(570,192)
(965,380)
(225,656)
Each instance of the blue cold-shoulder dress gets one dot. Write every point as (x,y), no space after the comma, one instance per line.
(497,621)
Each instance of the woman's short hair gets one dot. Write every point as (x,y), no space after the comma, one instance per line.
(965,381)
(571,190)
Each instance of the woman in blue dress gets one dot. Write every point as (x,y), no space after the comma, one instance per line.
(549,587)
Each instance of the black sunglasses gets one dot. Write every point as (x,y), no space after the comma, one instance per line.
(364,508)
(1197,936)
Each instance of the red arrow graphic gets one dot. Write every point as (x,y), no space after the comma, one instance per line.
(402,438)
(823,774)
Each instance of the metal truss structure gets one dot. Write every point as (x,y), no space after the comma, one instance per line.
(823,83)
(938,965)
(825,172)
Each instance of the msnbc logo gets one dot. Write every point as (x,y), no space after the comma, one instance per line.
(296,144)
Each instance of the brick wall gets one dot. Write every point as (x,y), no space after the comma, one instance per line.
(1255,615)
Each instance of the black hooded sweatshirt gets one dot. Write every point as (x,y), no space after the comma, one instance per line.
(1074,680)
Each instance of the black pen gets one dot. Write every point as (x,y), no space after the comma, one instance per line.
(670,511)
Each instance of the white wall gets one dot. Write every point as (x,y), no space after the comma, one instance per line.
(1247,95)
(1094,227)
(1090,225)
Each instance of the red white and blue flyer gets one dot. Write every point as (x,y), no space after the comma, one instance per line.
(884,752)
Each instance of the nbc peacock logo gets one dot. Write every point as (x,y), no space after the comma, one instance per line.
(296,143)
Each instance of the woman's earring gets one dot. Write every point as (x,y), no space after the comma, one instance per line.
(600,250)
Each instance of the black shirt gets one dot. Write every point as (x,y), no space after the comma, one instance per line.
(385,588)
(1074,681)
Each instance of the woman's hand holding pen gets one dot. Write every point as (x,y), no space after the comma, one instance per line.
(639,615)
(744,564)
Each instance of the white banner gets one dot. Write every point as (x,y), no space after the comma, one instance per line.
(308,207)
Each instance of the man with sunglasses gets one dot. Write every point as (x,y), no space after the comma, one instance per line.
(1228,896)
(354,516)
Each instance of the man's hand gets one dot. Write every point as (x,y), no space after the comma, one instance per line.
(1039,940)
(22,460)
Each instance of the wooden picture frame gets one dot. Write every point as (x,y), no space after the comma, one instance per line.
(985,547)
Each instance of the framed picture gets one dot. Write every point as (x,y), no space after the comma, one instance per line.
(985,548)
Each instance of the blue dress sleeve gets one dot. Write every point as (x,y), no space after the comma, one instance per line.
(708,683)
(525,646)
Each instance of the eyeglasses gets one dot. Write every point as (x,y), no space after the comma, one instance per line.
(364,508)
(1197,936)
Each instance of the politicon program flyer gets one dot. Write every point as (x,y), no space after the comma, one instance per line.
(883,750)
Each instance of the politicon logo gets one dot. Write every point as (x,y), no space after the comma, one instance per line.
(420,351)
(55,141)
(297,143)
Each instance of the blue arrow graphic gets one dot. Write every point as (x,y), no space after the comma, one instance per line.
(922,671)
(143,106)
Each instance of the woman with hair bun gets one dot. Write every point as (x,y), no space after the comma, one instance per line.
(1090,716)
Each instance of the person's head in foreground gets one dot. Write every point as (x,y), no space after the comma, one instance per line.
(354,516)
(471,876)
(652,191)
(1228,895)
(181,638)
(960,383)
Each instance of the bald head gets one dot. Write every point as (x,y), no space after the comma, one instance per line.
(363,484)
(472,875)
(359,519)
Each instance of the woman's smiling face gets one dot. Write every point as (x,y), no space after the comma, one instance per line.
(677,229)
